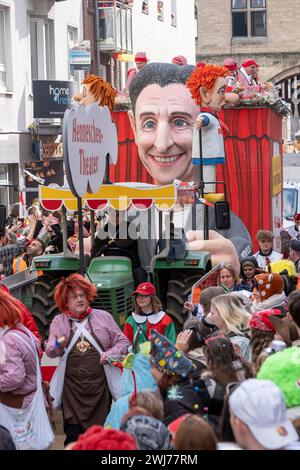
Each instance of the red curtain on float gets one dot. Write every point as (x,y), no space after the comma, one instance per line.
(129,167)
(247,172)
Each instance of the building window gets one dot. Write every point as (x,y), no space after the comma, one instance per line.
(160,10)
(249,18)
(145,7)
(42,49)
(174,13)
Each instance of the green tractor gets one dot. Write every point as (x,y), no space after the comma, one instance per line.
(112,275)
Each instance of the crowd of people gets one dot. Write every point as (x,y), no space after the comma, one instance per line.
(228,380)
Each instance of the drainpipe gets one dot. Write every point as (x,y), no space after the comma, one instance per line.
(96,38)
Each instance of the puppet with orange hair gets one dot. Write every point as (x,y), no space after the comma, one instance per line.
(207,85)
(96,90)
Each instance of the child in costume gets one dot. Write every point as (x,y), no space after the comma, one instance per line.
(207,85)
(147,315)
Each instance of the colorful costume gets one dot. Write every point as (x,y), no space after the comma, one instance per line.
(143,324)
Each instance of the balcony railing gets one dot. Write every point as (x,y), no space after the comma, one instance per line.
(114,32)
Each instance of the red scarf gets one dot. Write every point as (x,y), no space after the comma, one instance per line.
(78,317)
(224,127)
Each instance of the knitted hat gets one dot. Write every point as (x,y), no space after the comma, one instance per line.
(140,57)
(261,320)
(249,261)
(283,368)
(148,432)
(167,358)
(99,438)
(295,245)
(249,62)
(269,284)
(179,60)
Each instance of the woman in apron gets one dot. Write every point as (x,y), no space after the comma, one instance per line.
(87,338)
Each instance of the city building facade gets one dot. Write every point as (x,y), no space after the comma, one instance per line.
(266,30)
(162,29)
(35,39)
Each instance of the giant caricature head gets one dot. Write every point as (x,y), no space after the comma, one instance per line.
(96,90)
(162,118)
(207,85)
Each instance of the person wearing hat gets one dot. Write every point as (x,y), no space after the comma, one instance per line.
(231,65)
(294,254)
(269,292)
(140,61)
(178,380)
(147,315)
(249,268)
(247,74)
(282,368)
(259,419)
(149,433)
(266,255)
(262,335)
(293,231)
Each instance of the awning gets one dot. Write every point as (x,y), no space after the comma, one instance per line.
(120,197)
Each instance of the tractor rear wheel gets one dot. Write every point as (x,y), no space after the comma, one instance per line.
(43,305)
(179,288)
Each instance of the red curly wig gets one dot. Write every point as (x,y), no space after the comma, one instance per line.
(206,76)
(101,90)
(99,438)
(72,282)
(10,313)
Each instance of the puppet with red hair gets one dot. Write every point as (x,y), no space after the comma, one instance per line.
(96,90)
(207,85)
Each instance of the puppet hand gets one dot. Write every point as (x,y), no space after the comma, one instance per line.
(221,249)
(199,122)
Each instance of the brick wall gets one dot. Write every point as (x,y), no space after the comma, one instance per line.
(277,52)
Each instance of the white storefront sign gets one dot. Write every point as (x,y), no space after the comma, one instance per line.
(89,135)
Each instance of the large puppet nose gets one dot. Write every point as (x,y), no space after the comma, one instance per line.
(232,98)
(77,97)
